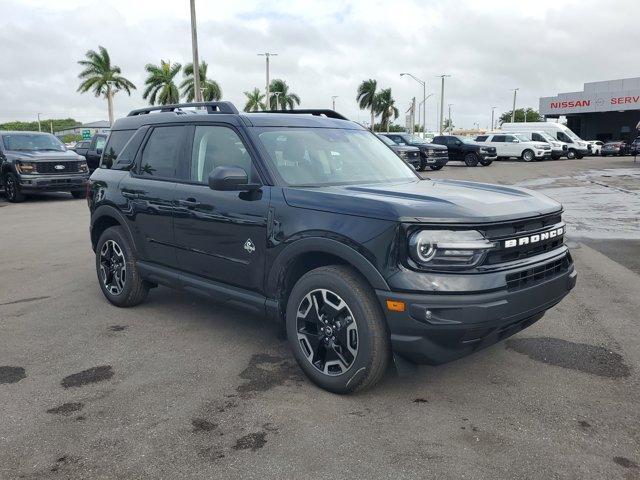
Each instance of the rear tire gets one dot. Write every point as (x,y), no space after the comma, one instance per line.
(337,331)
(118,274)
(471,160)
(12,188)
(528,155)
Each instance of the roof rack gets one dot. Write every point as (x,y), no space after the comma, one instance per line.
(212,107)
(311,111)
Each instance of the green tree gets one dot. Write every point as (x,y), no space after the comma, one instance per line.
(254,101)
(366,98)
(103,78)
(531,116)
(211,90)
(285,100)
(58,124)
(161,86)
(384,105)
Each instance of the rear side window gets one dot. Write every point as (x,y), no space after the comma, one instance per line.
(481,138)
(115,143)
(498,138)
(162,152)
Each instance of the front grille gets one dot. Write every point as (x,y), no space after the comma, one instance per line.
(50,167)
(539,273)
(413,154)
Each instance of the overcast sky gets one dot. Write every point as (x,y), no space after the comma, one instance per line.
(324,48)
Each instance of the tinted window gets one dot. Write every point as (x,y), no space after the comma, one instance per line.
(498,138)
(481,138)
(537,137)
(215,146)
(563,137)
(115,143)
(161,154)
(439,140)
(100,142)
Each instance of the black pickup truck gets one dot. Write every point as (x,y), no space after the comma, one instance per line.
(309,219)
(33,162)
(468,151)
(433,156)
(91,149)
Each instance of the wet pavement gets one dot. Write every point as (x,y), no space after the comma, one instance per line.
(181,387)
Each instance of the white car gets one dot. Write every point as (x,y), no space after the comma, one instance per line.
(577,146)
(514,145)
(595,146)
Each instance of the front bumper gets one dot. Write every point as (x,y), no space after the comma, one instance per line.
(439,161)
(54,183)
(543,153)
(440,327)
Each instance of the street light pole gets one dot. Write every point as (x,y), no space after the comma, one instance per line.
(424,102)
(450,128)
(267,55)
(39,126)
(493,112)
(443,76)
(513,112)
(194,48)
(333,101)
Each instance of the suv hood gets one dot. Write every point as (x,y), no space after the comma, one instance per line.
(426,201)
(34,156)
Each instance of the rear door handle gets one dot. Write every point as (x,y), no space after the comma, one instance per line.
(188,202)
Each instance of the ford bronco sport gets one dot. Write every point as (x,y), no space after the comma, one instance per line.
(308,218)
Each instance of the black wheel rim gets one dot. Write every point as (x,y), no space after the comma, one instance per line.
(113,267)
(10,188)
(327,332)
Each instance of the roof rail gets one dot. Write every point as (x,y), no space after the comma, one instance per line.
(310,111)
(212,107)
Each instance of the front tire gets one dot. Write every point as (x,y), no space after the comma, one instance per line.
(486,163)
(471,160)
(571,154)
(12,188)
(436,167)
(337,330)
(118,274)
(528,155)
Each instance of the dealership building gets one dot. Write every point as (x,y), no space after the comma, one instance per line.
(601,111)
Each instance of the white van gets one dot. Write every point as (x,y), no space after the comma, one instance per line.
(577,148)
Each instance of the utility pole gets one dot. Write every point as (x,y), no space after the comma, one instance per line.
(39,126)
(51,127)
(443,76)
(267,55)
(424,102)
(194,47)
(333,101)
(450,128)
(424,124)
(513,112)
(493,112)
(277,94)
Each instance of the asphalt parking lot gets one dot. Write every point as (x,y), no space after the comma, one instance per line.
(180,387)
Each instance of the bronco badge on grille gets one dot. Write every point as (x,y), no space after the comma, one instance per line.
(538,237)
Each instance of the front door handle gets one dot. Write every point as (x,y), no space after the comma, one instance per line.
(130,194)
(188,202)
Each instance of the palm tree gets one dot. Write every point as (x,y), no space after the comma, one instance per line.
(366,98)
(210,88)
(254,101)
(281,96)
(102,78)
(385,106)
(161,87)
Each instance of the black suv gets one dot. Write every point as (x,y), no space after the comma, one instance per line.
(433,156)
(408,153)
(308,218)
(37,162)
(91,150)
(464,150)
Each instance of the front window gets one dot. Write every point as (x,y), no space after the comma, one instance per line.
(32,142)
(331,156)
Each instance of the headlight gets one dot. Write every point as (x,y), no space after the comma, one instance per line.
(26,167)
(448,249)
(83,167)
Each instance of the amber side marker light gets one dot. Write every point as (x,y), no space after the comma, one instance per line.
(395,305)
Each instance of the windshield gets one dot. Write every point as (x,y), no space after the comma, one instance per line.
(571,135)
(331,156)
(417,139)
(32,142)
(386,140)
(547,137)
(470,141)
(523,138)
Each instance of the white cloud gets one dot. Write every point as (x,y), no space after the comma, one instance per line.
(324,48)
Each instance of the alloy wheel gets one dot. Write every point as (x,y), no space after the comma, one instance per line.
(327,332)
(113,267)
(10,187)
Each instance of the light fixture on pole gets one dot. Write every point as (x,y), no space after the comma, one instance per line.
(442,77)
(513,112)
(268,55)
(277,94)
(194,49)
(424,101)
(493,112)
(333,101)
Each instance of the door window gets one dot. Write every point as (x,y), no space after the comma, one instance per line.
(117,140)
(498,138)
(100,143)
(161,154)
(216,146)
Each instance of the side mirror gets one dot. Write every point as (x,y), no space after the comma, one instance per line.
(228,179)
